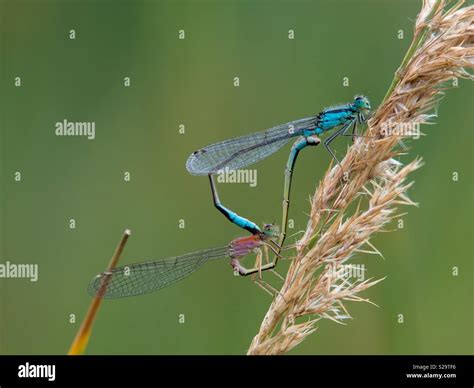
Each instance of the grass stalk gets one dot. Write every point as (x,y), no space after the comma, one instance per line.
(81,339)
(315,287)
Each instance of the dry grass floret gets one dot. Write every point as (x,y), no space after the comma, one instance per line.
(442,49)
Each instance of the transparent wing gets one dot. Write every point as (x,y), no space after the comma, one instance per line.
(245,150)
(142,278)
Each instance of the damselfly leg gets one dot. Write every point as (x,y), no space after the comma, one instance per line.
(330,139)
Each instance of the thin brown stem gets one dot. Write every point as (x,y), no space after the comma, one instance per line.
(315,286)
(81,340)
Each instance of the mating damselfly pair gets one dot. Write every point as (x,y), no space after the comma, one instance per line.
(233,154)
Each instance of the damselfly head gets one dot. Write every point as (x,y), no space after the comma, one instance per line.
(362,104)
(271,230)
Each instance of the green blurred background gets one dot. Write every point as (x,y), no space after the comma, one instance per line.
(190,82)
